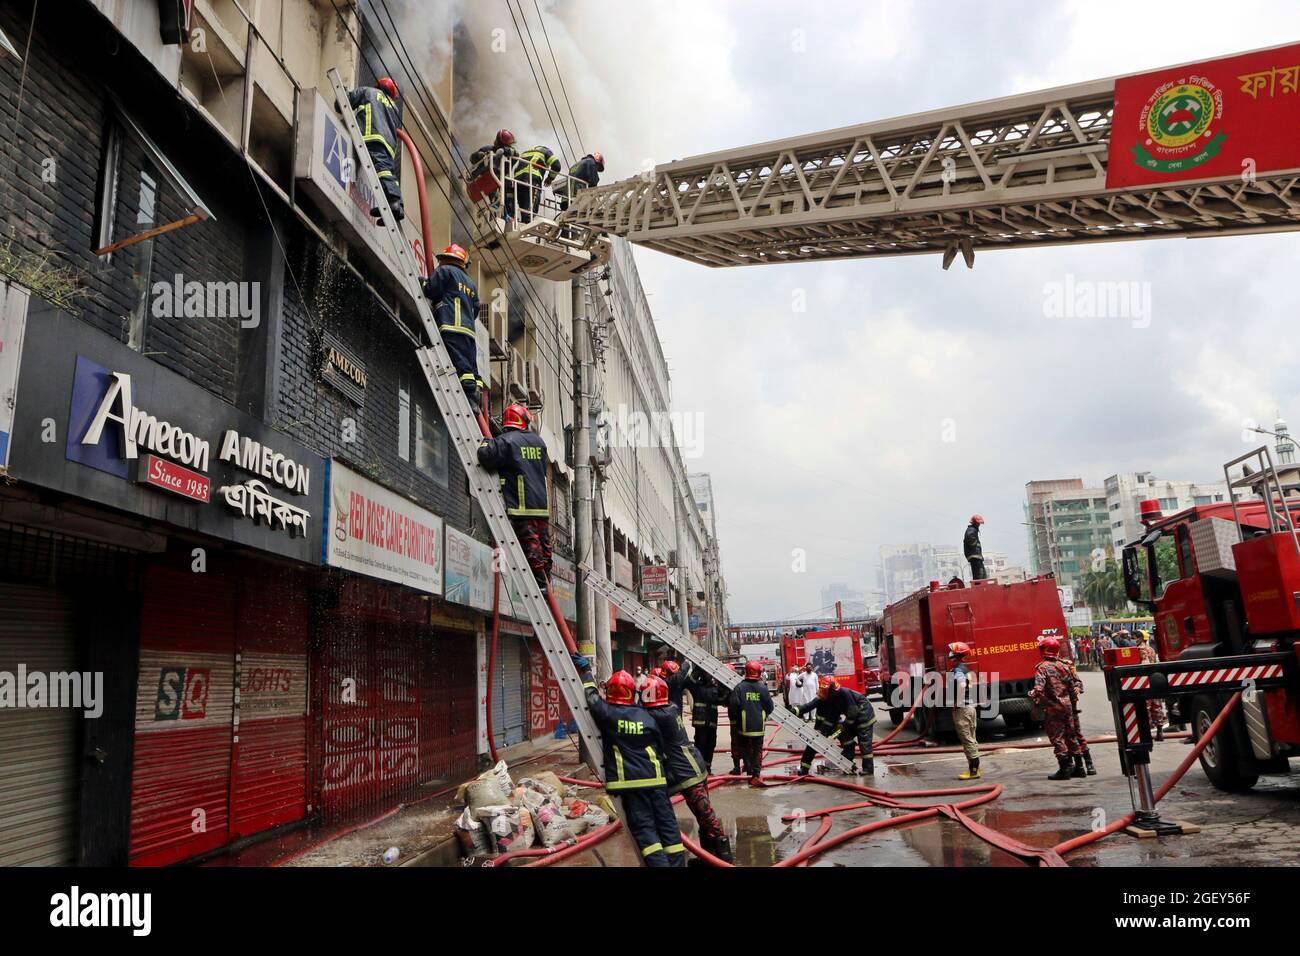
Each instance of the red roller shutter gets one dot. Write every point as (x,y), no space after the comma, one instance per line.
(448,707)
(270,779)
(180,789)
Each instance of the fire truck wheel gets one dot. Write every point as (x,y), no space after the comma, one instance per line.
(1219,759)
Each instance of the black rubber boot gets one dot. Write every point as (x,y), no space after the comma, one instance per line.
(1078,770)
(1087,763)
(721,848)
(868,767)
(1062,770)
(1160,732)
(804,770)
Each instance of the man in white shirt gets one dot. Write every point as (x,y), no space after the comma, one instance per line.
(802,687)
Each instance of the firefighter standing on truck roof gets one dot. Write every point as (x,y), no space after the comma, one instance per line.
(634,769)
(1057,696)
(706,695)
(380,118)
(963,708)
(751,703)
(519,457)
(1155,706)
(973,549)
(455,308)
(687,772)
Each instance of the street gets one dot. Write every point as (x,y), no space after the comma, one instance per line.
(1237,830)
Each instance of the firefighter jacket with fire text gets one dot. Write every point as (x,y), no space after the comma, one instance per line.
(455,307)
(630,739)
(682,762)
(751,702)
(519,457)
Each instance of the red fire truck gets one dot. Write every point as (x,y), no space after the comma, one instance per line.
(1001,622)
(837,652)
(1223,583)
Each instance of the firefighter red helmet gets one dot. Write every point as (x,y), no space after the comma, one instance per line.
(826,684)
(456,254)
(620,688)
(958,649)
(976,519)
(504,138)
(657,672)
(753,670)
(671,667)
(389,87)
(517,416)
(600,161)
(1048,646)
(654,693)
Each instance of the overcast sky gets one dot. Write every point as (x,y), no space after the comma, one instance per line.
(824,430)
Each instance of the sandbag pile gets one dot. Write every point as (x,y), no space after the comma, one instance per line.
(502,816)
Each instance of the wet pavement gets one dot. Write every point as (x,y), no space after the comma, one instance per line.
(1258,828)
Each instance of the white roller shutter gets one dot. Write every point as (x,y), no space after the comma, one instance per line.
(39,767)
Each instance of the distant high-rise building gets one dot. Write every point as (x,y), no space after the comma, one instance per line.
(853,601)
(1068,528)
(1125,493)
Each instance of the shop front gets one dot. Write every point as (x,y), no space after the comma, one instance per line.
(196,525)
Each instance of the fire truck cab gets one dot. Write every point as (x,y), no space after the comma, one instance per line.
(1223,581)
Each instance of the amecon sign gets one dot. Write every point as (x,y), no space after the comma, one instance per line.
(181,460)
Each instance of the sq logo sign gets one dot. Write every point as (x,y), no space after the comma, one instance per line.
(182,693)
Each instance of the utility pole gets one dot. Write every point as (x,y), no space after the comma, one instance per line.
(683,573)
(582,465)
(604,644)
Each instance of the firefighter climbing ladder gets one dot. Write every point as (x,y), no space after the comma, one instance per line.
(672,635)
(466,435)
(462,425)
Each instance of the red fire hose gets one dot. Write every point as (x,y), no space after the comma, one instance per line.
(418,168)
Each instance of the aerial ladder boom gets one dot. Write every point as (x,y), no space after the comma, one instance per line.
(1025,170)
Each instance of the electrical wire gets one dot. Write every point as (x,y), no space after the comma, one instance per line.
(559,76)
(545,104)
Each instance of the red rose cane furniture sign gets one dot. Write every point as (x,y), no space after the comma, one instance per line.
(1231,118)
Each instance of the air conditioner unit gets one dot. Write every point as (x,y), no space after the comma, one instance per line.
(498,331)
(532,380)
(518,382)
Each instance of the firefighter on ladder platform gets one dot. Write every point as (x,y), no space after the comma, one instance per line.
(489,165)
(687,772)
(518,455)
(634,769)
(1056,693)
(584,174)
(751,703)
(537,168)
(1155,706)
(706,695)
(455,307)
(380,118)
